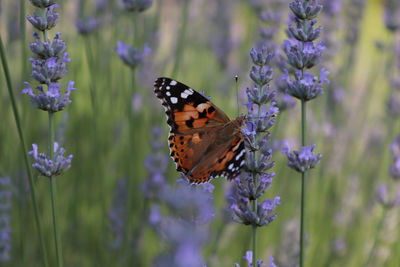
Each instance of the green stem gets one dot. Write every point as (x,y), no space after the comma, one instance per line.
(254,234)
(130,183)
(378,230)
(303,185)
(135,28)
(44,18)
(53,190)
(181,38)
(23,147)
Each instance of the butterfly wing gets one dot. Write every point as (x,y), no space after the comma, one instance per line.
(203,141)
(185,108)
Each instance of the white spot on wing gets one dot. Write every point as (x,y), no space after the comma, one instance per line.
(168,94)
(184,95)
(173,82)
(174,100)
(188,92)
(239,155)
(167,87)
(230,166)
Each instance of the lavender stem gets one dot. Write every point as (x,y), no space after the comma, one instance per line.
(303,184)
(53,189)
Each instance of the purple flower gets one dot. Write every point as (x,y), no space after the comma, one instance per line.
(49,70)
(131,56)
(47,49)
(303,160)
(87,25)
(305,86)
(51,100)
(137,5)
(305,10)
(44,23)
(47,167)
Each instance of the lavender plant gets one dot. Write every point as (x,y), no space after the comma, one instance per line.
(48,67)
(191,210)
(303,54)
(251,186)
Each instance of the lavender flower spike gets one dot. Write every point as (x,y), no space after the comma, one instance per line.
(45,166)
(303,160)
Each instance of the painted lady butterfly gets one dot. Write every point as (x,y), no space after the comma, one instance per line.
(204,143)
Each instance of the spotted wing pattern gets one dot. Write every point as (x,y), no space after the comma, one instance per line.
(204,143)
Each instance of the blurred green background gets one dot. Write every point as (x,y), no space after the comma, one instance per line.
(342,213)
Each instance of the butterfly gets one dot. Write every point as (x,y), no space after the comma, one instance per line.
(204,143)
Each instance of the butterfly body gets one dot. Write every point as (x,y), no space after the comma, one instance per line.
(204,143)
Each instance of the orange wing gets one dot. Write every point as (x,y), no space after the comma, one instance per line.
(204,143)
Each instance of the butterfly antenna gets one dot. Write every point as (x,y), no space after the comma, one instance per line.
(237,93)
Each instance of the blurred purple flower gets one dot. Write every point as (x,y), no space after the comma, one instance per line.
(44,23)
(5,219)
(86,26)
(47,167)
(382,197)
(303,160)
(392,15)
(354,14)
(156,164)
(394,169)
(191,210)
(131,56)
(221,37)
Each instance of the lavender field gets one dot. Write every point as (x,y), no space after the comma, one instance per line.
(310,166)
